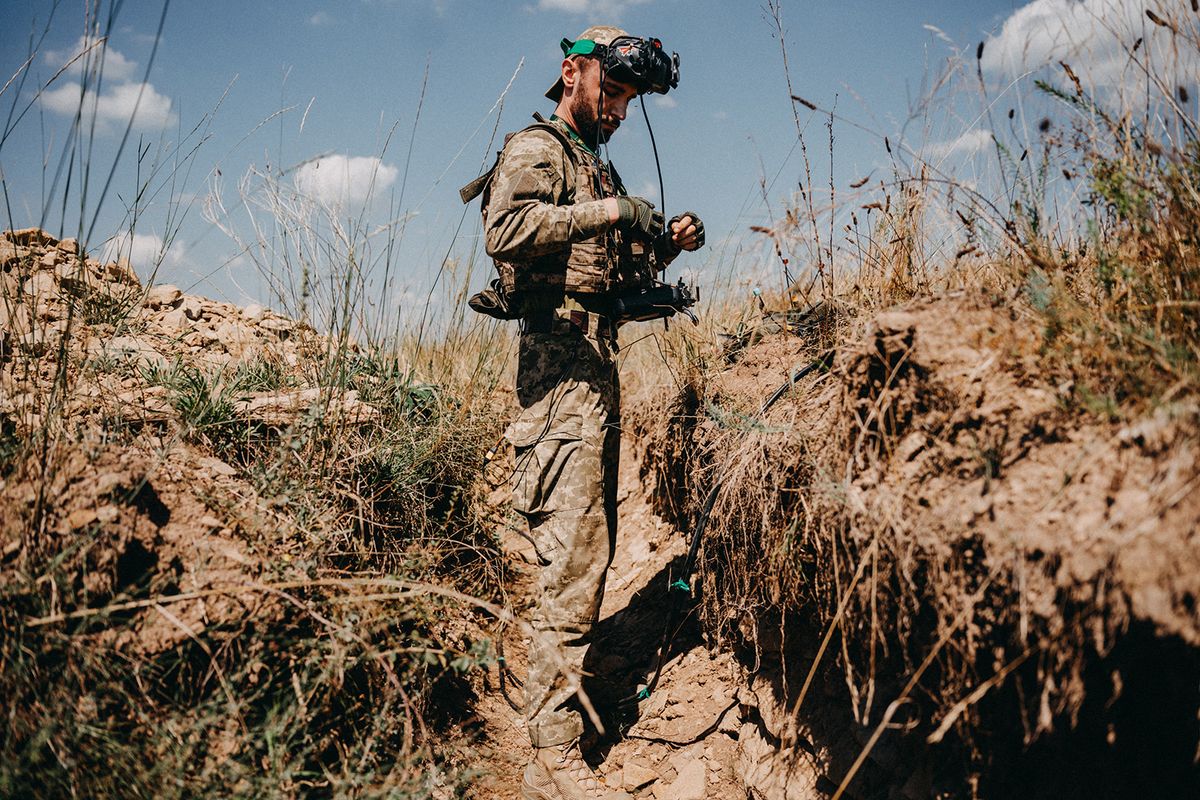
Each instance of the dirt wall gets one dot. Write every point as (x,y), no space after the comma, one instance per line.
(947,573)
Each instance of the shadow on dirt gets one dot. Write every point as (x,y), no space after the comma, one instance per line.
(625,645)
(1135,734)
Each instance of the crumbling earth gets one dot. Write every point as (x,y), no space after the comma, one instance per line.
(931,569)
(86,348)
(1023,618)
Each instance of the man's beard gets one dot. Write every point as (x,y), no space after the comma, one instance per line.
(583,112)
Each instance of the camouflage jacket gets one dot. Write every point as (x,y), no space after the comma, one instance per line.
(545,223)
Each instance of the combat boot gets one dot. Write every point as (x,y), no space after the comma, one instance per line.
(560,773)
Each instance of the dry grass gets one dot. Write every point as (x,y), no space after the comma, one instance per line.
(819,566)
(319,645)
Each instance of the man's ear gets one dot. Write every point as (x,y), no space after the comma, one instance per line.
(570,73)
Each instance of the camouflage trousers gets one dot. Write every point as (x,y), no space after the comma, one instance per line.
(567,442)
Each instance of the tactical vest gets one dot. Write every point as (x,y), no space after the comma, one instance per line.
(608,264)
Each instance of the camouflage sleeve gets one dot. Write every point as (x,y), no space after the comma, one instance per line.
(524,220)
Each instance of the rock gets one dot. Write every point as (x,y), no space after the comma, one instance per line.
(731,722)
(191,307)
(69,246)
(50,258)
(120,291)
(41,284)
(692,783)
(130,349)
(15,318)
(121,272)
(636,774)
(31,237)
(680,760)
(233,336)
(51,309)
(74,286)
(8,253)
(162,295)
(216,466)
(81,518)
(283,407)
(39,341)
(254,313)
(277,324)
(174,321)
(150,402)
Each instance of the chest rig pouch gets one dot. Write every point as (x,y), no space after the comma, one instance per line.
(607,265)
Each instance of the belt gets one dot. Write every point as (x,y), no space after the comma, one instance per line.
(561,320)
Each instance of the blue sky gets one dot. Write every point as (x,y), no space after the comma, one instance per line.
(276,85)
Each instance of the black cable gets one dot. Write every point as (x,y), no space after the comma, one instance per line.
(824,361)
(504,671)
(662,192)
(600,109)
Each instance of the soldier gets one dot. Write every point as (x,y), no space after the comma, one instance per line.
(568,242)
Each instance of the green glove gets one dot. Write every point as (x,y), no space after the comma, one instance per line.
(637,215)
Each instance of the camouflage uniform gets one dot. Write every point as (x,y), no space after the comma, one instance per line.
(542,211)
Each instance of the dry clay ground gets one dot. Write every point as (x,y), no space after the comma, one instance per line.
(1099,515)
(169,518)
(164,512)
(1087,530)
(681,742)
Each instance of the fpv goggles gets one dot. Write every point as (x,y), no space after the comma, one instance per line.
(641,63)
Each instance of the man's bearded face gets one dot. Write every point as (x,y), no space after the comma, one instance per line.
(586,102)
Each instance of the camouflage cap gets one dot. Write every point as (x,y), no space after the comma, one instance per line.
(600,34)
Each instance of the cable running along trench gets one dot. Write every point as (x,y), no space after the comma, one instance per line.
(683,584)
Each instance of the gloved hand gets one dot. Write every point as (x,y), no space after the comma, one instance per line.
(637,215)
(686,231)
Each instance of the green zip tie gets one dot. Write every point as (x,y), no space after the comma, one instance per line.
(643,693)
(681,585)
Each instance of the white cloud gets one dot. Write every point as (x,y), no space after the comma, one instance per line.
(1095,38)
(339,180)
(115,107)
(664,101)
(320,18)
(116,67)
(968,144)
(145,251)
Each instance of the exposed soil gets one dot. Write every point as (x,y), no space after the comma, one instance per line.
(929,570)
(1042,556)
(947,512)
(162,516)
(679,742)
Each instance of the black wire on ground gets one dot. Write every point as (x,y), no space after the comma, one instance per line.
(505,671)
(683,584)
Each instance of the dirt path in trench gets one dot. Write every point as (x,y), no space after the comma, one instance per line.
(680,743)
